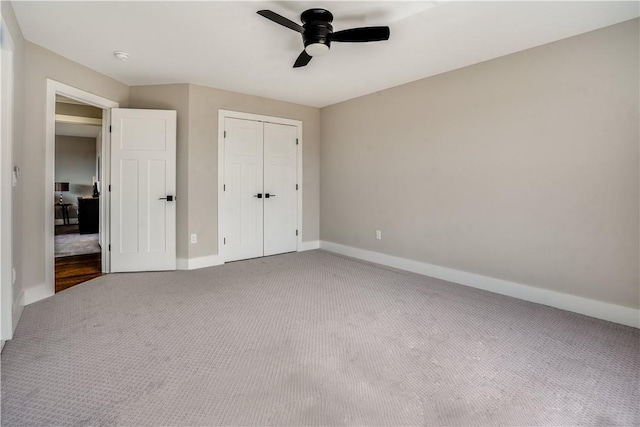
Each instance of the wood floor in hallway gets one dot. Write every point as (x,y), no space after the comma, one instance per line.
(73,270)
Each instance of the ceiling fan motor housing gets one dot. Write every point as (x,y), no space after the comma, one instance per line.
(317,26)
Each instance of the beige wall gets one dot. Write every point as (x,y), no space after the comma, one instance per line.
(197,159)
(523,168)
(173,97)
(75,160)
(40,64)
(16,149)
(75,163)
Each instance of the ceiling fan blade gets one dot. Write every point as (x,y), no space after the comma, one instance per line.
(364,34)
(302,60)
(279,19)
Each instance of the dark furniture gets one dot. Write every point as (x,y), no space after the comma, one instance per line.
(65,212)
(88,215)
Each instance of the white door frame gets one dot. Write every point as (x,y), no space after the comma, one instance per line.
(222,115)
(56,88)
(9,314)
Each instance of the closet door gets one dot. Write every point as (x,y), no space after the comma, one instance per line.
(280,201)
(243,202)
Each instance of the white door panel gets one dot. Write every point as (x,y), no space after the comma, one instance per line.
(243,234)
(280,169)
(143,172)
(157,170)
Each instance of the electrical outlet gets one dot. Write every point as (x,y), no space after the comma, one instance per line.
(378,234)
(194,238)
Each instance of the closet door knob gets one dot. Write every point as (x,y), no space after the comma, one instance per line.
(267,195)
(259,195)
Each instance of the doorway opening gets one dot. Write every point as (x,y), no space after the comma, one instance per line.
(78,151)
(77,159)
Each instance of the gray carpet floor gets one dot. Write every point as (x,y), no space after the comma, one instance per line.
(311,339)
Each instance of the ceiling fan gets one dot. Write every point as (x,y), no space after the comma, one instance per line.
(317,33)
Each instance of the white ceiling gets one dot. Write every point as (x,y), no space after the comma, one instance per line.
(227,45)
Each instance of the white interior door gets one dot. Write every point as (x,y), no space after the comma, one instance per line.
(101,236)
(280,198)
(143,184)
(243,183)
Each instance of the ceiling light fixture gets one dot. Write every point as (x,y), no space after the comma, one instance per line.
(317,49)
(122,56)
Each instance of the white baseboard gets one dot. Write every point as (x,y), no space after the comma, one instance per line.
(18,307)
(309,246)
(601,310)
(213,260)
(36,293)
(205,261)
(196,263)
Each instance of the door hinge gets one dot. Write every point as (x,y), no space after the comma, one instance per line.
(296,232)
(225,134)
(224,241)
(296,186)
(109,247)
(109,128)
(296,141)
(109,188)
(224,187)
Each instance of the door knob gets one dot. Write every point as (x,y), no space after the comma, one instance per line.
(267,195)
(259,196)
(168,198)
